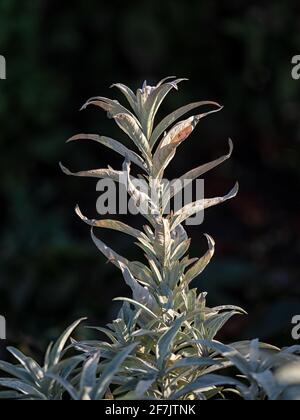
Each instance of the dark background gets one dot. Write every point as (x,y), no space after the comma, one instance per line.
(61,53)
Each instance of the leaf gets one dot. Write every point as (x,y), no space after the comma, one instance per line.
(266,380)
(168,145)
(194,174)
(193,361)
(181,250)
(58,347)
(29,364)
(215,323)
(141,199)
(89,373)
(230,354)
(198,206)
(173,117)
(22,387)
(111,255)
(16,372)
(10,395)
(205,382)
(95,173)
(133,129)
(129,95)
(154,101)
(112,144)
(110,371)
(110,224)
(163,242)
(143,387)
(140,293)
(65,385)
(138,305)
(201,264)
(111,106)
(164,345)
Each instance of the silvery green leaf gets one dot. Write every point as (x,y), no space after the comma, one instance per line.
(165,343)
(95,173)
(110,371)
(58,347)
(22,387)
(194,174)
(267,382)
(89,373)
(133,129)
(111,224)
(181,250)
(174,116)
(204,383)
(201,264)
(140,293)
(199,206)
(179,235)
(16,372)
(129,95)
(215,323)
(143,387)
(163,242)
(230,354)
(193,362)
(154,99)
(10,395)
(141,199)
(254,355)
(112,107)
(138,305)
(65,385)
(155,268)
(266,350)
(112,256)
(168,145)
(29,364)
(113,145)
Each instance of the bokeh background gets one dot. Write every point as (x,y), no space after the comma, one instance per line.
(61,53)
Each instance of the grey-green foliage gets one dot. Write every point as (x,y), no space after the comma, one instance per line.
(162,345)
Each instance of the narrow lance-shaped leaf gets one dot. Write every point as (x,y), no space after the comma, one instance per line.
(154,100)
(111,224)
(130,126)
(174,116)
(163,242)
(89,373)
(198,206)
(204,383)
(110,371)
(116,259)
(164,345)
(141,199)
(138,305)
(190,176)
(111,106)
(201,264)
(58,347)
(23,387)
(113,145)
(140,293)
(116,176)
(168,145)
(129,95)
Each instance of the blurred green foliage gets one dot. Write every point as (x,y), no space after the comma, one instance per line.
(61,53)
